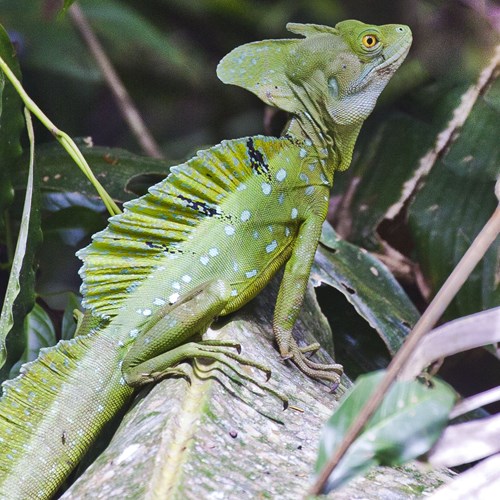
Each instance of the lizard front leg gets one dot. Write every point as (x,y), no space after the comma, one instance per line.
(164,343)
(289,302)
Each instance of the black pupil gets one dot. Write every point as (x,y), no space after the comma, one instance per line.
(369,40)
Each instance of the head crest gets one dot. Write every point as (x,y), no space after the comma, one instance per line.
(261,67)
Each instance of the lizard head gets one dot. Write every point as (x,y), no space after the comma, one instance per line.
(331,78)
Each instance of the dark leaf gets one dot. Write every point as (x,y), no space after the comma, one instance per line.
(406,425)
(367,285)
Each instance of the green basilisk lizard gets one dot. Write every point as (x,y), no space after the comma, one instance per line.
(201,244)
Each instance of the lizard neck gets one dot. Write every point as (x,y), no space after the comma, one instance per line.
(334,143)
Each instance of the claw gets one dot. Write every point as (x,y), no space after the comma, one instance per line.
(334,387)
(328,372)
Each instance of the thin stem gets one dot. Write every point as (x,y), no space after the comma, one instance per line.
(65,140)
(435,310)
(125,104)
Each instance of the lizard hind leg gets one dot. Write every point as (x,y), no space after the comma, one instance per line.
(164,343)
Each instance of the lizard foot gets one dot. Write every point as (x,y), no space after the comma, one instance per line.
(167,364)
(307,349)
(321,371)
(216,350)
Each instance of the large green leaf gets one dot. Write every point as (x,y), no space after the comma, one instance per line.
(67,4)
(454,203)
(368,286)
(39,332)
(124,175)
(11,125)
(19,296)
(406,425)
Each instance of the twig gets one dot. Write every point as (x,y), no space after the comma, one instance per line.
(66,141)
(431,315)
(125,104)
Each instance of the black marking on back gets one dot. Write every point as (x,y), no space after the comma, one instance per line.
(257,160)
(200,206)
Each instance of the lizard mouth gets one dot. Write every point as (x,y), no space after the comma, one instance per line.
(383,65)
(395,59)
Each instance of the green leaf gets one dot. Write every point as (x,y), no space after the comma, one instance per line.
(2,85)
(454,203)
(118,170)
(406,425)
(11,126)
(368,286)
(39,332)
(20,299)
(67,4)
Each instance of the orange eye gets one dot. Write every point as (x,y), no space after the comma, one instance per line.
(370,41)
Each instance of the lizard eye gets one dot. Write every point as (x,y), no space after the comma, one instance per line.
(369,41)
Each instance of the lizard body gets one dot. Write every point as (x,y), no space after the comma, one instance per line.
(200,244)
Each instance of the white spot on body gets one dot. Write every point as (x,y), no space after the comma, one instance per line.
(173,298)
(281,175)
(229,230)
(256,235)
(272,246)
(204,259)
(133,333)
(251,274)
(309,190)
(308,142)
(266,188)
(176,285)
(186,278)
(213,252)
(245,215)
(374,271)
(287,232)
(158,302)
(294,213)
(147,312)
(241,187)
(234,293)
(302,153)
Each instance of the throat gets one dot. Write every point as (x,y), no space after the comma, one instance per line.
(334,144)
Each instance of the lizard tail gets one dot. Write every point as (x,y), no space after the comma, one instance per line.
(51,413)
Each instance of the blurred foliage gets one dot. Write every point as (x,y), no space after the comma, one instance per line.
(166,52)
